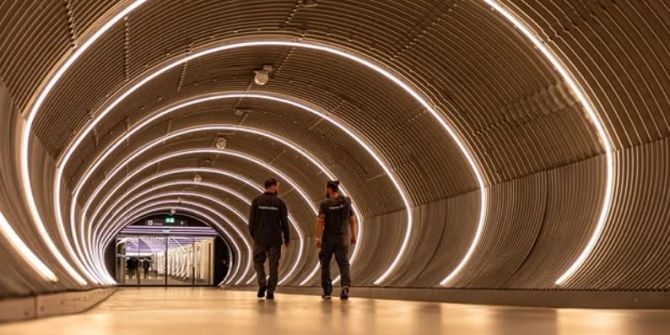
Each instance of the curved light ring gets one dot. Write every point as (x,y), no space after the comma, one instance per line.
(586,104)
(119,221)
(145,210)
(25,145)
(105,233)
(187,182)
(202,183)
(181,183)
(24,251)
(212,151)
(159,141)
(231,275)
(149,209)
(171,172)
(186,170)
(350,56)
(186,210)
(148,120)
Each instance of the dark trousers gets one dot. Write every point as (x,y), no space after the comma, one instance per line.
(338,246)
(261,253)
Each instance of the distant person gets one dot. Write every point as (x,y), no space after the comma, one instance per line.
(268,223)
(146,266)
(332,237)
(131,264)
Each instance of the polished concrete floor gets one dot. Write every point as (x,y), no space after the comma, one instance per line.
(211,311)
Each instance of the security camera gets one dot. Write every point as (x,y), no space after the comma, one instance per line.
(197,178)
(221,143)
(263,76)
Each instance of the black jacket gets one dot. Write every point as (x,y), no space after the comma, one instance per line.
(268,220)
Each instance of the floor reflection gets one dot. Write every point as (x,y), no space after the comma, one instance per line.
(212,311)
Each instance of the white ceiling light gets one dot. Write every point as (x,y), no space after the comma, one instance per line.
(401,253)
(117,223)
(156,206)
(24,251)
(31,114)
(220,172)
(262,76)
(256,161)
(222,96)
(225,127)
(141,183)
(586,104)
(221,143)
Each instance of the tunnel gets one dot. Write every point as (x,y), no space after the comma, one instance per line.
(506,162)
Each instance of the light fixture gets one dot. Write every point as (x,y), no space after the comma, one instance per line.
(141,183)
(586,104)
(303,152)
(24,251)
(262,76)
(200,99)
(131,212)
(221,143)
(172,155)
(453,134)
(152,208)
(118,207)
(31,115)
(309,3)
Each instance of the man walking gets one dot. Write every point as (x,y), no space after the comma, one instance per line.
(268,221)
(332,230)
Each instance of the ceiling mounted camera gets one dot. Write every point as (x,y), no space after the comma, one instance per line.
(263,76)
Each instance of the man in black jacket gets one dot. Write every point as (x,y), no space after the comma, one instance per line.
(336,220)
(268,221)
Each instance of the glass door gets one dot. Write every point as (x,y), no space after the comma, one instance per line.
(164,260)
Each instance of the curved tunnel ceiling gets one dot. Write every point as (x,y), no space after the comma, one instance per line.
(480,138)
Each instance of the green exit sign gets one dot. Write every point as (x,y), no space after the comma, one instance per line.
(169,219)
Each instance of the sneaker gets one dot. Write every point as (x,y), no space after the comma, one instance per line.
(326,296)
(261,292)
(270,295)
(344,295)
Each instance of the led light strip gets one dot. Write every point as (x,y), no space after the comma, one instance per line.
(117,223)
(161,140)
(586,104)
(24,251)
(178,171)
(130,231)
(202,183)
(173,172)
(153,116)
(211,151)
(151,208)
(134,199)
(185,183)
(189,170)
(25,146)
(341,53)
